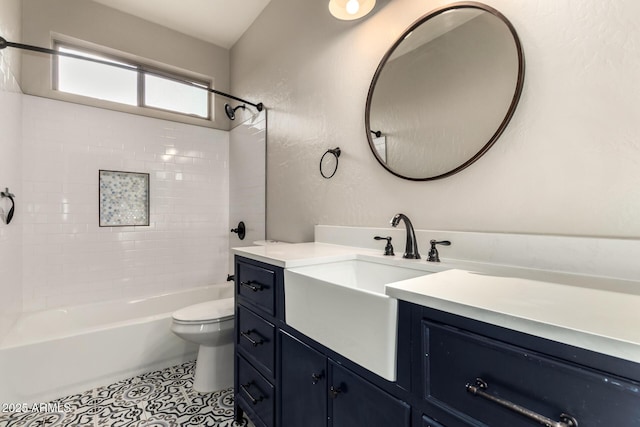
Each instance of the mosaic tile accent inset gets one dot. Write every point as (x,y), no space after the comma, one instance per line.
(162,398)
(124,198)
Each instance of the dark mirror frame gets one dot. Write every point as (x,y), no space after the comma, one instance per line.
(503,124)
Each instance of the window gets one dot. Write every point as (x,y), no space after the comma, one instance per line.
(129,83)
(168,94)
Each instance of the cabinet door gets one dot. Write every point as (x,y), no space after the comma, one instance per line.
(428,422)
(303,385)
(356,402)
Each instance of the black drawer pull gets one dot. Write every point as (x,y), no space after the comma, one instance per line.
(478,389)
(244,388)
(249,284)
(334,391)
(251,340)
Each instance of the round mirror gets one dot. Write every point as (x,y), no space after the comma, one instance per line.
(444,92)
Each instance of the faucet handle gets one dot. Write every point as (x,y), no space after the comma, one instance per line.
(388,249)
(433,252)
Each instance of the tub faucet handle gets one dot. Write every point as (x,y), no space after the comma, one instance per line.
(241,229)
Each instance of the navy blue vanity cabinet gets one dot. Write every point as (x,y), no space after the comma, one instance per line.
(285,379)
(452,372)
(258,287)
(316,391)
(475,374)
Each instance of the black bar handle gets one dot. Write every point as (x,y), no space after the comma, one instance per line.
(479,387)
(244,388)
(253,342)
(249,284)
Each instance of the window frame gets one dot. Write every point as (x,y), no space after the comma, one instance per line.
(142,69)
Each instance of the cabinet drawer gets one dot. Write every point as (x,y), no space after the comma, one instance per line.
(256,337)
(546,386)
(256,284)
(255,394)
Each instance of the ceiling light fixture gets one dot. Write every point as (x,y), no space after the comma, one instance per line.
(348,10)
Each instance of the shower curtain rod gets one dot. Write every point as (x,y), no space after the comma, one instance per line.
(4,44)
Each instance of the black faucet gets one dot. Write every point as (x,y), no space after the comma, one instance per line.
(411,248)
(433,253)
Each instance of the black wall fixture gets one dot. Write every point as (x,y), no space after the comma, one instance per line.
(231,111)
(9,215)
(329,165)
(4,44)
(240,229)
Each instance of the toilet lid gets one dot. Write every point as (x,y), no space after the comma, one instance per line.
(210,311)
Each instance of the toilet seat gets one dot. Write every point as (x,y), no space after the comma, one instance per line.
(207,312)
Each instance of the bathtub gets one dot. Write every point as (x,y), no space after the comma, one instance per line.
(58,352)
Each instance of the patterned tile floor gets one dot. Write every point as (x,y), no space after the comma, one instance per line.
(156,399)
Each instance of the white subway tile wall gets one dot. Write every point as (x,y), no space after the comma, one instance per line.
(68,259)
(10,235)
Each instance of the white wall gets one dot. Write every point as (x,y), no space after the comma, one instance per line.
(67,258)
(10,171)
(567,164)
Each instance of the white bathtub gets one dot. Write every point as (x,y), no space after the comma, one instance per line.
(54,353)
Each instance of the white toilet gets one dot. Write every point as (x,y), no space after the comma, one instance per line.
(209,324)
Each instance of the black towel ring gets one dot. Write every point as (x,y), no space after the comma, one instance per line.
(336,154)
(8,195)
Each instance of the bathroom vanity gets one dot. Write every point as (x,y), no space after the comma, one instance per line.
(284,378)
(457,363)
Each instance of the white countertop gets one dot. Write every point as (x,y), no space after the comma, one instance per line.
(596,313)
(599,320)
(300,254)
